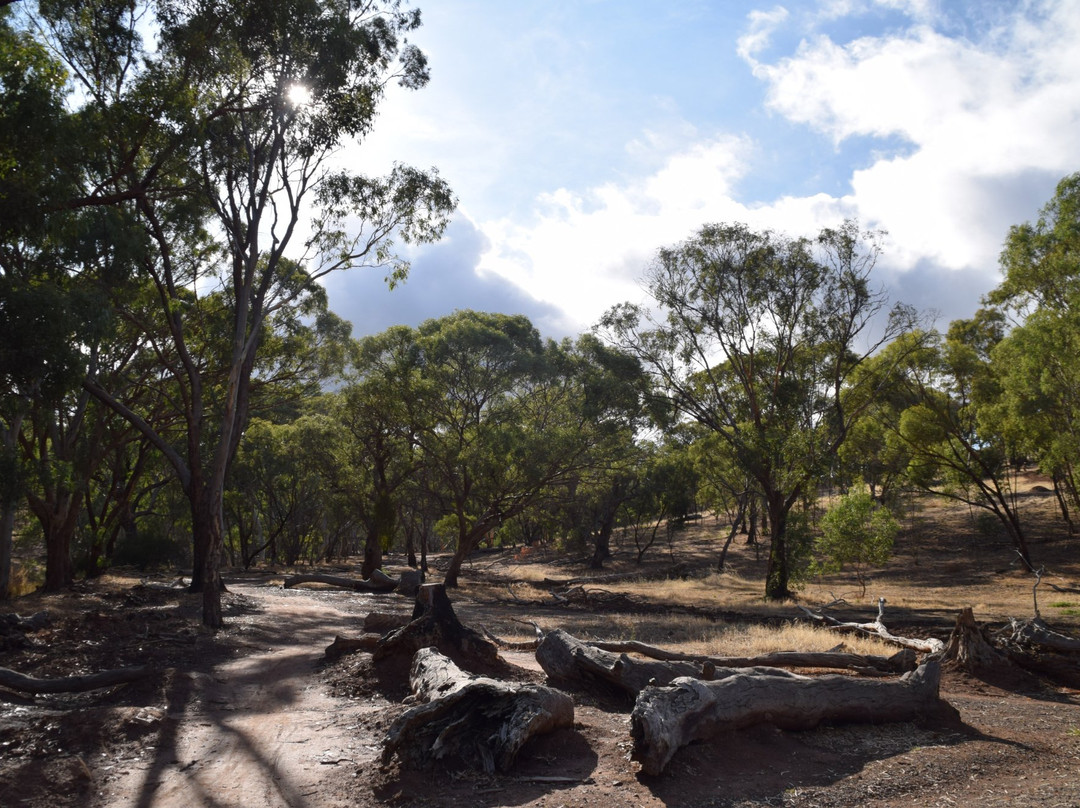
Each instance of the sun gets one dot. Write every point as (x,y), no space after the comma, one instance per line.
(299,95)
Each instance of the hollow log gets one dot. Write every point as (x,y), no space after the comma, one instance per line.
(435,624)
(481,721)
(72,684)
(378,582)
(665,719)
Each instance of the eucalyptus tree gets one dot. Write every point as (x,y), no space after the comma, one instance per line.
(954,446)
(1038,362)
(218,137)
(755,337)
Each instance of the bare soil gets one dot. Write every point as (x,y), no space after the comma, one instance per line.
(253,716)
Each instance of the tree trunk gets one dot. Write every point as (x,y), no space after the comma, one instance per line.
(482,721)
(777,578)
(665,719)
(435,624)
(71,684)
(7,530)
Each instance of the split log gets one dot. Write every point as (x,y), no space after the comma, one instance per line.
(481,721)
(435,624)
(665,719)
(929,645)
(72,684)
(900,662)
(378,582)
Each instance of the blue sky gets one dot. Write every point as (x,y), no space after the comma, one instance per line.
(582,135)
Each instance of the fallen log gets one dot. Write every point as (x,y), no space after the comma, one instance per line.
(900,662)
(481,721)
(929,645)
(1037,632)
(568,660)
(378,582)
(665,719)
(382,622)
(72,684)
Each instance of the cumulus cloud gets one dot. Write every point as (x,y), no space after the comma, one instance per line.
(982,122)
(444,277)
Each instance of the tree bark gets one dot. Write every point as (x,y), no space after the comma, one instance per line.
(482,721)
(665,719)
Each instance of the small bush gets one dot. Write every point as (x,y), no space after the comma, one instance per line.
(855,532)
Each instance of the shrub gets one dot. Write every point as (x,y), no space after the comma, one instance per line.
(855,532)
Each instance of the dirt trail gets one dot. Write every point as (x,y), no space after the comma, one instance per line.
(258,730)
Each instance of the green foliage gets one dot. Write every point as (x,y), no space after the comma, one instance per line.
(855,532)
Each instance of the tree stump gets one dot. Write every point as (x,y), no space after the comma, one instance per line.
(968,647)
(665,719)
(435,624)
(480,721)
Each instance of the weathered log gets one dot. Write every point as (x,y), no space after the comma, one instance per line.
(481,721)
(665,719)
(72,684)
(378,582)
(435,624)
(900,662)
(1037,632)
(342,646)
(929,645)
(568,660)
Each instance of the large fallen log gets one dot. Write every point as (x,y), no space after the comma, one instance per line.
(870,665)
(596,666)
(665,719)
(71,684)
(481,721)
(1037,632)
(378,582)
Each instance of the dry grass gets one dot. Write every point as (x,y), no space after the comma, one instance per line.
(946,558)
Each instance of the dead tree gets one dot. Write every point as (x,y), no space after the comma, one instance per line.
(482,722)
(969,648)
(665,719)
(877,627)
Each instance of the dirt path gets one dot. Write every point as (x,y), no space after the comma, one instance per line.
(258,730)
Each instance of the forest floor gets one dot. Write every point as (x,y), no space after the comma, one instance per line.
(253,715)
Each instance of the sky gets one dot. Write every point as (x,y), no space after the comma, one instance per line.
(581,136)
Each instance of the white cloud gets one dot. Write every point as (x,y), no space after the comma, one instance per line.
(971,113)
(759,31)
